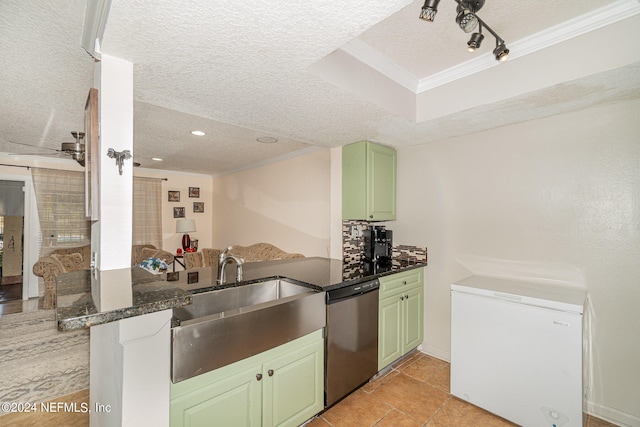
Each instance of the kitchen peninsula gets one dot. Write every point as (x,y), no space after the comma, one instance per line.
(130,324)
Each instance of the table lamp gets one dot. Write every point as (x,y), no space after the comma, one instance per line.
(186,226)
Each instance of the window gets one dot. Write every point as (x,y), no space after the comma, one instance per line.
(147,212)
(61,210)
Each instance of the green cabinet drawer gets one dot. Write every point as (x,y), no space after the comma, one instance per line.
(400,282)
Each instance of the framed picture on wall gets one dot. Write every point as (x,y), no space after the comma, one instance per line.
(178,212)
(174,196)
(198,207)
(194,192)
(192,277)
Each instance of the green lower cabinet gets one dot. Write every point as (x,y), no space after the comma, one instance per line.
(235,400)
(413,318)
(401,315)
(280,387)
(389,331)
(295,391)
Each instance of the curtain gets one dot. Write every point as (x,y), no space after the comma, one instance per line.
(61,210)
(147,212)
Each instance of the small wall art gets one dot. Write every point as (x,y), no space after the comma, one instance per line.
(192,277)
(178,212)
(174,196)
(198,207)
(194,192)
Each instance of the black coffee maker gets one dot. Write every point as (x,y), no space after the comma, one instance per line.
(377,244)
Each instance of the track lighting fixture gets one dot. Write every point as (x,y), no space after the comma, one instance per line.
(501,52)
(429,10)
(467,19)
(475,41)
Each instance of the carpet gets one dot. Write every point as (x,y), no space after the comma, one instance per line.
(38,362)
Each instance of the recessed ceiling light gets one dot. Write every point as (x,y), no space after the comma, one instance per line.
(266,139)
(157,159)
(198,133)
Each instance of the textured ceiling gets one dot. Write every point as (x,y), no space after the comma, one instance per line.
(240,70)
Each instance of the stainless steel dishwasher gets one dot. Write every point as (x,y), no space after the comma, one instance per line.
(351,349)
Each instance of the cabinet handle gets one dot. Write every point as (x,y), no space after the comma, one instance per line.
(406,297)
(404,282)
(258,377)
(371,216)
(402,298)
(270,372)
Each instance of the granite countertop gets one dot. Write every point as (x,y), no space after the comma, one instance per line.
(88,298)
(323,274)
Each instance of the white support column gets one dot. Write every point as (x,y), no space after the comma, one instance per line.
(111,234)
(130,365)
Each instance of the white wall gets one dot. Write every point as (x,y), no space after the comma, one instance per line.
(555,199)
(181,182)
(286,203)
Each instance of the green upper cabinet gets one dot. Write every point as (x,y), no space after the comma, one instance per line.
(368,182)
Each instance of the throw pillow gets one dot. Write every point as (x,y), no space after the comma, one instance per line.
(71,262)
(147,253)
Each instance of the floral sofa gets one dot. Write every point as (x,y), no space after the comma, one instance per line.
(79,258)
(256,252)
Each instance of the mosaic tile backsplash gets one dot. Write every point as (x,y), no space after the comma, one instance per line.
(353,244)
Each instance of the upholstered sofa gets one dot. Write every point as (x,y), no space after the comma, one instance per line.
(208,257)
(79,258)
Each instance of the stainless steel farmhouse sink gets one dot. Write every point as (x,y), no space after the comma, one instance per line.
(231,324)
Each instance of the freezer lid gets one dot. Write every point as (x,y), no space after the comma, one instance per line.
(557,297)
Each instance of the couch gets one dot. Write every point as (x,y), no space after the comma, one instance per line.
(257,252)
(65,260)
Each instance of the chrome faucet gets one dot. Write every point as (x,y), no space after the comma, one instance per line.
(225,258)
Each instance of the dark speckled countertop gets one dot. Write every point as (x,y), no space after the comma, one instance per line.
(88,298)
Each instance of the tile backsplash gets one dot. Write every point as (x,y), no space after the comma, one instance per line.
(353,244)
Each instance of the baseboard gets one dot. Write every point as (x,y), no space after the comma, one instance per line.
(612,415)
(436,352)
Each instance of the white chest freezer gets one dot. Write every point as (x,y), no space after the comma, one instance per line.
(516,350)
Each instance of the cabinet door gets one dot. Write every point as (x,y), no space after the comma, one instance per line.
(381,177)
(235,400)
(413,325)
(293,389)
(354,181)
(389,330)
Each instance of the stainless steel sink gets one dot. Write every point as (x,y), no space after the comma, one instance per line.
(240,299)
(227,325)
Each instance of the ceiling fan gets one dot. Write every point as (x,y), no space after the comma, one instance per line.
(73,149)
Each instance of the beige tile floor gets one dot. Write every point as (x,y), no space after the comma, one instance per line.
(414,393)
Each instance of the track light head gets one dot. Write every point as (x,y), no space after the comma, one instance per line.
(474,42)
(501,52)
(466,19)
(429,10)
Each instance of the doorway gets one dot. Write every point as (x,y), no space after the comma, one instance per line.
(11,240)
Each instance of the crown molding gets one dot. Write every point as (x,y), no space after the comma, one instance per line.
(606,15)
